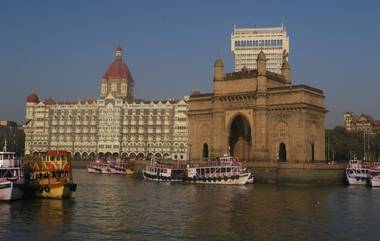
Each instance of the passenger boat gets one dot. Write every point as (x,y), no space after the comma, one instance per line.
(11,176)
(51,175)
(357,173)
(95,166)
(161,170)
(251,178)
(226,170)
(118,166)
(123,167)
(374,179)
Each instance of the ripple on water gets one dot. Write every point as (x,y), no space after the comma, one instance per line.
(127,208)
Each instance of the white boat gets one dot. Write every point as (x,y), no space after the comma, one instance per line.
(374,179)
(12,180)
(122,167)
(251,178)
(164,171)
(94,167)
(225,170)
(357,172)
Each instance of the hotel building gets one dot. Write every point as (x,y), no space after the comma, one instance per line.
(115,124)
(246,44)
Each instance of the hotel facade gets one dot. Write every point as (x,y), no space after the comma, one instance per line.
(246,44)
(115,124)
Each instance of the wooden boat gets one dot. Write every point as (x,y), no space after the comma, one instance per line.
(11,176)
(51,175)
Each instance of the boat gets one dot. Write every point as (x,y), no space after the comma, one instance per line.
(357,173)
(251,178)
(163,170)
(118,166)
(12,179)
(123,167)
(51,175)
(374,179)
(225,170)
(95,166)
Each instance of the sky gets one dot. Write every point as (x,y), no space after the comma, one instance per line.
(62,48)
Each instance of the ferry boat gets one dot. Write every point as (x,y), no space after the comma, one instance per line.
(358,172)
(374,179)
(225,170)
(161,170)
(95,166)
(123,167)
(118,166)
(51,175)
(11,176)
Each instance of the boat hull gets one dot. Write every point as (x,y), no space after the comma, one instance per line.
(356,180)
(240,180)
(374,182)
(10,191)
(94,170)
(60,191)
(121,172)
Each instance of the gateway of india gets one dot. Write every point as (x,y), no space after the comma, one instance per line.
(257,115)
(116,124)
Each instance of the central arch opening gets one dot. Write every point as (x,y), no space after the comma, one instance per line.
(240,140)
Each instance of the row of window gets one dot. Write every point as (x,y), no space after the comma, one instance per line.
(258,43)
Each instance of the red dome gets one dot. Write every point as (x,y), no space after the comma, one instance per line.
(118,69)
(32,97)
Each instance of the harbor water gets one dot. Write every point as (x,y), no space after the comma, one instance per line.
(109,207)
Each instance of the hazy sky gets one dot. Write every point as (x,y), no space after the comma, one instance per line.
(62,48)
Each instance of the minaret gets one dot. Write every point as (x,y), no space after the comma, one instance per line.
(285,71)
(218,69)
(261,72)
(261,152)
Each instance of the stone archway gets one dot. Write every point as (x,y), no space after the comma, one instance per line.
(240,139)
(92,156)
(282,152)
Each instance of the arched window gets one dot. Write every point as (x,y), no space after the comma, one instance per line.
(205,151)
(282,152)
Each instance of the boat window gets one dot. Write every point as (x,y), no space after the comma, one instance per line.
(223,169)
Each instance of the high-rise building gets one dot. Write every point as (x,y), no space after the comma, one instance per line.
(115,124)
(246,44)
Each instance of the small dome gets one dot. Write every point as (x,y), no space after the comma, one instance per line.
(195,92)
(261,56)
(218,63)
(32,97)
(244,69)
